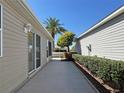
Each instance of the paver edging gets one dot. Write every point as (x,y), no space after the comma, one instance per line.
(97,83)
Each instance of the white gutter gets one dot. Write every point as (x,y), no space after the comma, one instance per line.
(26,6)
(113,15)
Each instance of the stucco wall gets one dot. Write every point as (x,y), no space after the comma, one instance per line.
(107,40)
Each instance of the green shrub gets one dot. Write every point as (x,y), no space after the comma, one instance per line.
(106,69)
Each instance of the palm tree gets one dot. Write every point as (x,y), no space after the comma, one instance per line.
(54,27)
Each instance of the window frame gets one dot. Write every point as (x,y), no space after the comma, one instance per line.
(47,49)
(36,51)
(50,48)
(1,31)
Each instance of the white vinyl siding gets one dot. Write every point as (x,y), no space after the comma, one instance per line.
(14,62)
(1,18)
(106,40)
(15,47)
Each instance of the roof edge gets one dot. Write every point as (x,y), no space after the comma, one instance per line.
(108,18)
(26,6)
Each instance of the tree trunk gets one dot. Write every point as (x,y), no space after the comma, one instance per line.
(68,48)
(53,35)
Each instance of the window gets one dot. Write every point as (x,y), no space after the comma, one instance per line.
(47,51)
(0,30)
(49,48)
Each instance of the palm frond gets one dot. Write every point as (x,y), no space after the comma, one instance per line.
(54,26)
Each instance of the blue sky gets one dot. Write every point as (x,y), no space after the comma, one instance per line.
(76,15)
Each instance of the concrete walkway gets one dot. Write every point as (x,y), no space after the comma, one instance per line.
(59,77)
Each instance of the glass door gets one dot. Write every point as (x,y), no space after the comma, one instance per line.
(31,51)
(38,51)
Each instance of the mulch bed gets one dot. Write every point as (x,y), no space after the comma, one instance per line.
(97,82)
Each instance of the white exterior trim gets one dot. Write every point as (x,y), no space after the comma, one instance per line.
(113,15)
(35,50)
(1,30)
(29,73)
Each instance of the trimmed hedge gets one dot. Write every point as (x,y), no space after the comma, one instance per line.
(108,70)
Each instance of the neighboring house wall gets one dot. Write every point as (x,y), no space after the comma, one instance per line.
(14,62)
(106,40)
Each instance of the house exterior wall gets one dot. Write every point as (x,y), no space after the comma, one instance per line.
(14,62)
(106,40)
(44,50)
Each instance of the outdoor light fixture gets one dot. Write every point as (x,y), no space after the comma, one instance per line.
(27,28)
(89,47)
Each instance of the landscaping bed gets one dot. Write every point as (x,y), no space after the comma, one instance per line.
(107,75)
